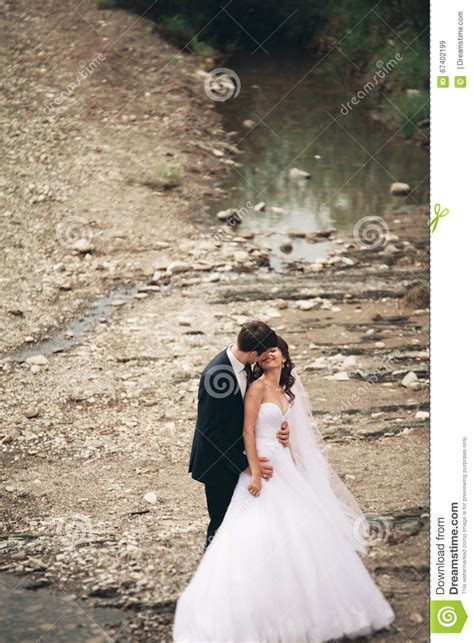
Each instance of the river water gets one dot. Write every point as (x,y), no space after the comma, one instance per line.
(352,159)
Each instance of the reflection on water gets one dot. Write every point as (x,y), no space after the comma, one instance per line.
(352,159)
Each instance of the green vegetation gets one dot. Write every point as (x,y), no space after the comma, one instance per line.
(173,173)
(350,38)
(406,111)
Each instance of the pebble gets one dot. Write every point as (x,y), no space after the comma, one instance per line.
(305,304)
(150,497)
(83,246)
(399,189)
(422,415)
(31,413)
(341,376)
(176,267)
(38,360)
(260,207)
(409,378)
(286,246)
(296,173)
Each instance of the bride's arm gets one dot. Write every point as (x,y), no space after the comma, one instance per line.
(253,400)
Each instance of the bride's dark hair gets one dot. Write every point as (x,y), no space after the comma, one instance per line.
(286,378)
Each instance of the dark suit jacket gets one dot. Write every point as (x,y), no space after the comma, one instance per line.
(218,445)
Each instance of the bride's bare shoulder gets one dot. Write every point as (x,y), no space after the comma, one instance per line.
(257,386)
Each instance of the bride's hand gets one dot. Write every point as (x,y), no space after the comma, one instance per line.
(255,484)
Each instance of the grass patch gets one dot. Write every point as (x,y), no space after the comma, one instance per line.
(406,110)
(173,173)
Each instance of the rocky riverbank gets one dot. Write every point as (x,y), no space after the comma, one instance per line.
(97,418)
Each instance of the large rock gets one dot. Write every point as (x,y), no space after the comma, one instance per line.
(410,378)
(231,216)
(38,360)
(286,246)
(176,267)
(399,189)
(296,174)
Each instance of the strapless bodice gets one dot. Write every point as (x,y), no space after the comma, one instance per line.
(269,421)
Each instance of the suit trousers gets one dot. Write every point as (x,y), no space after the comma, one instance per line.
(218,496)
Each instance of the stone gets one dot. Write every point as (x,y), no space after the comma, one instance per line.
(399,189)
(260,207)
(277,210)
(296,234)
(341,376)
(230,216)
(349,362)
(184,321)
(150,497)
(83,246)
(305,304)
(286,246)
(39,360)
(241,256)
(248,123)
(176,267)
(31,413)
(416,617)
(296,174)
(409,378)
(422,415)
(319,363)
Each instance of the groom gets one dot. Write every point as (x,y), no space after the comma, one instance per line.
(217,456)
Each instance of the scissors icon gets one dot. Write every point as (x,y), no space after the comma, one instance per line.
(438,215)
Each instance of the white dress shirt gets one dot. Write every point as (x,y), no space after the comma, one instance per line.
(239,370)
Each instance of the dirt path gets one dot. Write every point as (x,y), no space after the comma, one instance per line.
(93,428)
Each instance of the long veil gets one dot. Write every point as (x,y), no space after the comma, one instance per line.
(308,450)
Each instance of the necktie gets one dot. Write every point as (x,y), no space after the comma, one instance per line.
(248,373)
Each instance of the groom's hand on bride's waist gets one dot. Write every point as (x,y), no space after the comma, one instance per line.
(266,469)
(283,434)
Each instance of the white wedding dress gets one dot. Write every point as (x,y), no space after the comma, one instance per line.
(283,567)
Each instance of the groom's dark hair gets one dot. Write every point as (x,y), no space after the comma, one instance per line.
(256,336)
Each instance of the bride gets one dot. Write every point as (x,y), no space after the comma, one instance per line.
(283,566)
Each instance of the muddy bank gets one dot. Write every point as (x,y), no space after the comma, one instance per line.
(96,486)
(96,423)
(112,147)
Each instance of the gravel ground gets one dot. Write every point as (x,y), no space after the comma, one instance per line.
(108,319)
